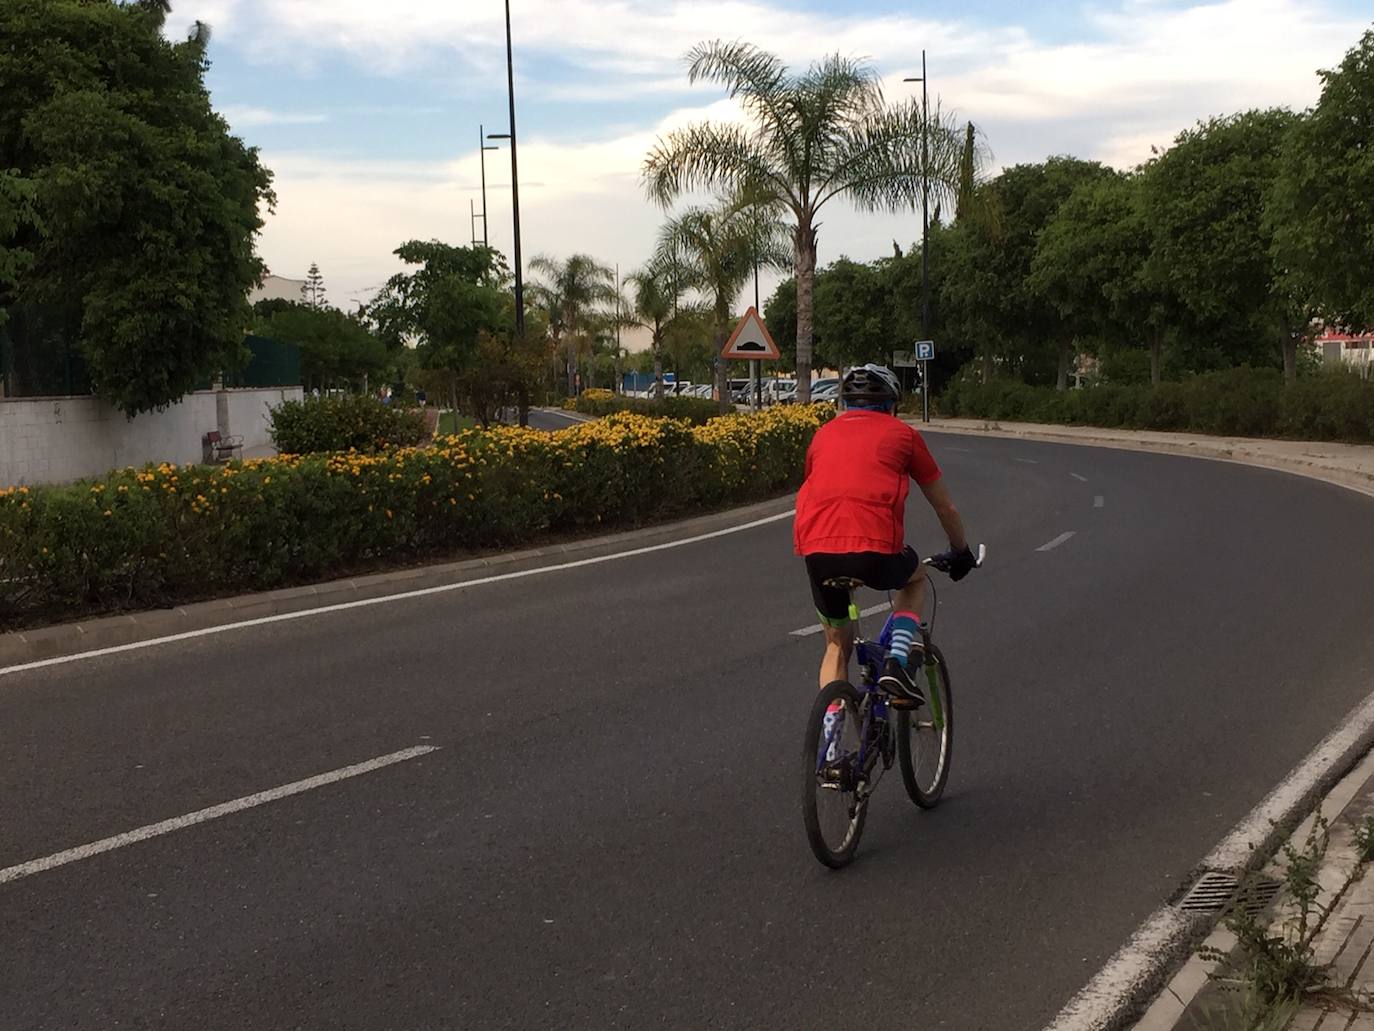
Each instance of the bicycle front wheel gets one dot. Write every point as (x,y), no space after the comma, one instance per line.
(925,739)
(832,807)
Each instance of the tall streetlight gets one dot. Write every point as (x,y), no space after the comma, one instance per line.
(925,219)
(482,154)
(514,181)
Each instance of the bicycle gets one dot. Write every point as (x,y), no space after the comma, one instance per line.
(842,756)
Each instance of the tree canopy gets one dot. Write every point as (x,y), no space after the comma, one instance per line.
(145,208)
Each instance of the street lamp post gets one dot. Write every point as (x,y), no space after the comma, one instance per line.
(482,154)
(514,181)
(925,224)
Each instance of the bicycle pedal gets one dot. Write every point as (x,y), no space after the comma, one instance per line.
(897,702)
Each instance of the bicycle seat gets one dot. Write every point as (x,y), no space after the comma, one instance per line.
(846,583)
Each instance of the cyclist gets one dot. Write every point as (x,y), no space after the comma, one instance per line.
(849,522)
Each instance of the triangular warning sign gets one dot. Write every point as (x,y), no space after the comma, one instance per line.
(751,340)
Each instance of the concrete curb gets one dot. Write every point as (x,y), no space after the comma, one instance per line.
(1241,450)
(90,635)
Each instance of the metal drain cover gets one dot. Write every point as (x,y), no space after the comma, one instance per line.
(1214,891)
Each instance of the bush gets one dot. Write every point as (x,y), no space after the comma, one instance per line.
(696,410)
(1329,405)
(357,422)
(166,534)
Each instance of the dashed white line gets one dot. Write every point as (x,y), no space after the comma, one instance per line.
(1029,461)
(1080,479)
(1057,541)
(962,450)
(153,830)
(816,628)
(387,599)
(1098,501)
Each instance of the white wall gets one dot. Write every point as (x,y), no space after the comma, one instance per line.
(57,440)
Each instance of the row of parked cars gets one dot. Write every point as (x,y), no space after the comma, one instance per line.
(773,391)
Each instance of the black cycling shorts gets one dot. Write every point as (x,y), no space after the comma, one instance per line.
(877,570)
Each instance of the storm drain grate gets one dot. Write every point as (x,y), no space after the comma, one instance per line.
(1214,891)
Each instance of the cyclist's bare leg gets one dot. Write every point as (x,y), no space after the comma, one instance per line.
(839,645)
(912,597)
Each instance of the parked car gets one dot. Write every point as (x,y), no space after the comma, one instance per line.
(829,392)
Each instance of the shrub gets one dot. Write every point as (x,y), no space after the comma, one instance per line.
(1329,405)
(358,422)
(696,410)
(165,534)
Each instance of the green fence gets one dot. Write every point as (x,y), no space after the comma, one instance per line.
(38,357)
(274,363)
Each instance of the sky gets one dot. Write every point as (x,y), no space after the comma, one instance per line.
(368,113)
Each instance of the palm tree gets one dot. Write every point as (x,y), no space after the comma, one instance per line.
(824,134)
(658,307)
(575,288)
(718,248)
(157,9)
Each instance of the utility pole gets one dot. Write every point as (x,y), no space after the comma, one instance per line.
(515,185)
(925,227)
(482,149)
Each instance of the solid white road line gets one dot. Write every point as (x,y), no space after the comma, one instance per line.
(153,830)
(816,628)
(1135,963)
(1057,541)
(386,599)
(1080,479)
(1099,501)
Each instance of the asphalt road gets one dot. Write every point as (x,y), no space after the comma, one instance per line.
(552,419)
(609,834)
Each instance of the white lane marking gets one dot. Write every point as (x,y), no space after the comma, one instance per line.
(816,628)
(214,812)
(1099,501)
(1051,545)
(1114,986)
(1028,461)
(1080,479)
(964,450)
(386,599)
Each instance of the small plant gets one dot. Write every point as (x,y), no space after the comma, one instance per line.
(351,422)
(1364,840)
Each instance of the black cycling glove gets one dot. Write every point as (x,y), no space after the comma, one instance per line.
(961,563)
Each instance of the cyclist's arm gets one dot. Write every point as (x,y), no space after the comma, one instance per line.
(938,495)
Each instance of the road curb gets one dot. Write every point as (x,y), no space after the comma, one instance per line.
(1242,451)
(67,639)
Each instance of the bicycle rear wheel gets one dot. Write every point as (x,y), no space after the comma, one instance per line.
(831,808)
(925,740)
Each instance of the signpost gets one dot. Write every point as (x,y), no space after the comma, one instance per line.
(752,341)
(925,351)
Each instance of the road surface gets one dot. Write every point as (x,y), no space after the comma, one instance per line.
(609,834)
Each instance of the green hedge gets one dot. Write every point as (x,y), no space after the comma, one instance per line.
(696,410)
(167,534)
(356,421)
(1334,405)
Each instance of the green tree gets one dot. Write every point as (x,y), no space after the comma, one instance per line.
(337,350)
(16,210)
(574,291)
(315,294)
(1204,202)
(1321,206)
(823,134)
(658,304)
(718,247)
(855,312)
(146,206)
(444,307)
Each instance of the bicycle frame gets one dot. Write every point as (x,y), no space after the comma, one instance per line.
(872,654)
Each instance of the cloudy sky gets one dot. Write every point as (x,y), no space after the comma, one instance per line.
(368,112)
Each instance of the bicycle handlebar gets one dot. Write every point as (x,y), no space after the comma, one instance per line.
(942,561)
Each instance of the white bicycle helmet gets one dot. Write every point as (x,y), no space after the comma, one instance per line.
(870,383)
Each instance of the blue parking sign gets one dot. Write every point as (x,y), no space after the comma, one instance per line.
(925,350)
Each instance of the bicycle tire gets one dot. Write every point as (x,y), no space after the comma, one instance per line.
(917,734)
(821,799)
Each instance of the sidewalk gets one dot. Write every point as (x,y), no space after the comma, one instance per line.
(1351,465)
(1345,941)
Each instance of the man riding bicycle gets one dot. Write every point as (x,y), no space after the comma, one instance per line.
(849,522)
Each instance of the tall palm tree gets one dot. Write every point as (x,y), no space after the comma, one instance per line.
(718,247)
(658,306)
(157,9)
(824,134)
(573,291)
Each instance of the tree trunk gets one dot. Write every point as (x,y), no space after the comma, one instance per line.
(657,345)
(804,245)
(987,363)
(572,365)
(1156,347)
(1290,358)
(1065,360)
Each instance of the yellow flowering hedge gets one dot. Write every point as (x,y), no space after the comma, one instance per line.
(602,402)
(165,534)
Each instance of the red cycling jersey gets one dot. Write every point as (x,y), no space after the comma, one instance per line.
(854,495)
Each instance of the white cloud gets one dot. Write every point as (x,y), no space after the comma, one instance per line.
(1146,71)
(241,116)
